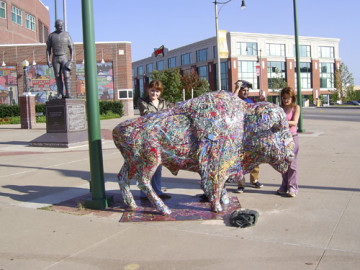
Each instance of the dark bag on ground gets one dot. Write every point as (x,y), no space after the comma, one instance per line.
(244,218)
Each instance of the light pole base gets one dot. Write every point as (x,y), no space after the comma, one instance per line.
(100,204)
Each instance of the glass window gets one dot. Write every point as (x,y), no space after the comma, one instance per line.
(2,9)
(276,74)
(160,65)
(141,87)
(305,75)
(223,75)
(203,72)
(29,22)
(246,48)
(326,52)
(140,70)
(133,72)
(41,34)
(16,15)
(215,52)
(46,33)
(304,51)
(275,49)
(149,68)
(186,59)
(172,62)
(247,72)
(202,55)
(327,75)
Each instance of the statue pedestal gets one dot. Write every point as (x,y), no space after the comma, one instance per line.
(65,124)
(27,111)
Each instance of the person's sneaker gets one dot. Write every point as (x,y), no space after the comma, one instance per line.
(291,194)
(281,192)
(240,190)
(256,185)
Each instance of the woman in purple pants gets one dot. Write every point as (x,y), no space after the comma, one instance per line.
(289,185)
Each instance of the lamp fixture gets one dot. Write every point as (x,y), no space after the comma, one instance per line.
(33,63)
(3,62)
(25,63)
(102,57)
(243,6)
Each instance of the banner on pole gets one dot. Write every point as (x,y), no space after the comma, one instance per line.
(223,50)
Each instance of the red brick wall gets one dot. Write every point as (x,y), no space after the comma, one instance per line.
(315,67)
(12,33)
(232,72)
(290,73)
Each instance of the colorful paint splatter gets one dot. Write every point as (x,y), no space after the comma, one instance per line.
(217,135)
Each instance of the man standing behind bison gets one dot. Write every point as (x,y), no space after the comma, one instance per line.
(242,91)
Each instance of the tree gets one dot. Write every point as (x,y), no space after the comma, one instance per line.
(344,82)
(171,80)
(192,82)
(174,84)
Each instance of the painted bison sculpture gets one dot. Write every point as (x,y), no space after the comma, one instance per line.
(217,135)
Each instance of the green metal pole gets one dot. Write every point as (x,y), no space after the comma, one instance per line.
(97,186)
(299,96)
(55,11)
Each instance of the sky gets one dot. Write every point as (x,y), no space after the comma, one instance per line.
(148,24)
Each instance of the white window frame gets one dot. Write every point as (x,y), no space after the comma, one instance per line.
(129,93)
(17,12)
(4,8)
(30,20)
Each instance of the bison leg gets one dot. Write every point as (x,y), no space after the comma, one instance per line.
(124,184)
(213,192)
(144,184)
(224,196)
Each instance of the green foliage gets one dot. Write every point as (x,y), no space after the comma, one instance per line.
(277,82)
(171,80)
(344,82)
(9,110)
(111,106)
(174,84)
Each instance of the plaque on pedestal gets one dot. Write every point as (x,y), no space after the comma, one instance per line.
(65,124)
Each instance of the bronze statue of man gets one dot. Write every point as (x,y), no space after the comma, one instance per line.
(59,42)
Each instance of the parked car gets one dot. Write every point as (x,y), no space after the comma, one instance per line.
(352,102)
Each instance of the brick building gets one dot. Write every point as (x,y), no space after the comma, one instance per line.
(261,59)
(114,56)
(23,21)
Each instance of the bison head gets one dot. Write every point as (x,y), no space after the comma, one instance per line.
(267,138)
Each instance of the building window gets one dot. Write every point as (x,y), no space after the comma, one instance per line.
(133,72)
(30,22)
(246,48)
(326,52)
(275,49)
(186,59)
(247,72)
(149,68)
(276,74)
(41,30)
(140,70)
(125,93)
(215,52)
(16,15)
(223,75)
(327,75)
(203,72)
(160,65)
(46,33)
(172,62)
(304,51)
(202,55)
(3,9)
(305,75)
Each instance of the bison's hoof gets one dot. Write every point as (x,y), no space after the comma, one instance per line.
(166,211)
(217,208)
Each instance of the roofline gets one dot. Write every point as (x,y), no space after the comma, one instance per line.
(42,44)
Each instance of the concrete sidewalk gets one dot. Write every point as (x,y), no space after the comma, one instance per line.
(319,229)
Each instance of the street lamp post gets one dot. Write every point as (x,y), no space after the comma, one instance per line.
(299,96)
(25,65)
(243,6)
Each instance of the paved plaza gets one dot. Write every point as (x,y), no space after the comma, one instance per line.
(319,229)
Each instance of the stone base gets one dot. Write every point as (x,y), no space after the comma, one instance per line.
(61,140)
